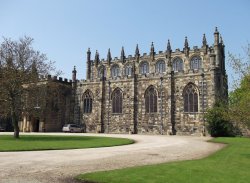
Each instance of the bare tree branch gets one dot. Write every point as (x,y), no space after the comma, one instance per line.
(20,64)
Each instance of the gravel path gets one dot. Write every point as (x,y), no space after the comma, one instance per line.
(60,166)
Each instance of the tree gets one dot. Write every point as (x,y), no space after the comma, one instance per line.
(240,65)
(239,102)
(239,98)
(20,65)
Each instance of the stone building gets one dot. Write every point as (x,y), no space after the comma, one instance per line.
(164,93)
(51,107)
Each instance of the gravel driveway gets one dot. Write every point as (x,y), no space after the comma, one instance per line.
(62,165)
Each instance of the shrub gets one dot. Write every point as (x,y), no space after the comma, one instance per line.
(217,123)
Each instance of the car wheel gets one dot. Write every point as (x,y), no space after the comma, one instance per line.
(71,130)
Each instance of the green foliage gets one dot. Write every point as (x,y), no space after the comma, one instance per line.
(239,101)
(49,142)
(217,123)
(230,165)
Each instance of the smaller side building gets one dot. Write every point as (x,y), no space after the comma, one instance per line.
(51,107)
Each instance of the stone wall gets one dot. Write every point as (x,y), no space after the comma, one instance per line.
(210,81)
(55,106)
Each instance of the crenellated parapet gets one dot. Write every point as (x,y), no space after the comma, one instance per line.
(187,60)
(55,79)
(159,92)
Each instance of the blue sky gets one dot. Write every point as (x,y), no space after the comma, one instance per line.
(65,29)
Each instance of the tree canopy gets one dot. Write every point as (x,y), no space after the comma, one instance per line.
(20,64)
(239,98)
(239,102)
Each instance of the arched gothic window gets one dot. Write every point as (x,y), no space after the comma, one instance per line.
(160,66)
(117,101)
(128,70)
(151,100)
(177,64)
(101,72)
(144,68)
(115,71)
(195,63)
(190,95)
(87,102)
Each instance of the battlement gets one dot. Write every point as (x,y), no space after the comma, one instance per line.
(210,53)
(204,48)
(159,54)
(55,79)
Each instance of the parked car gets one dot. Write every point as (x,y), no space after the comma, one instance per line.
(72,128)
(2,129)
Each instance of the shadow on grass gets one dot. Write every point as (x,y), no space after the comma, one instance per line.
(46,142)
(52,138)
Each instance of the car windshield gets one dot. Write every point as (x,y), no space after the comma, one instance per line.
(66,125)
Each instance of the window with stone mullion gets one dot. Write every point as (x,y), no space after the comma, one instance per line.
(117,102)
(115,71)
(87,103)
(195,63)
(177,64)
(151,101)
(120,104)
(191,102)
(128,71)
(113,105)
(144,68)
(147,103)
(195,102)
(84,105)
(160,66)
(155,103)
(190,99)
(186,102)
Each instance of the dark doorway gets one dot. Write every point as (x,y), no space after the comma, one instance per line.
(36,125)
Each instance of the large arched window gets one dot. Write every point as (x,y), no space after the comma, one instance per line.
(160,66)
(87,102)
(190,95)
(144,68)
(128,70)
(101,72)
(115,71)
(151,100)
(177,64)
(195,63)
(117,101)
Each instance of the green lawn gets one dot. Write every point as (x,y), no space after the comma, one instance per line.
(229,165)
(49,142)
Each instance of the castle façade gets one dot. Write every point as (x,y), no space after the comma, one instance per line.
(164,93)
(157,93)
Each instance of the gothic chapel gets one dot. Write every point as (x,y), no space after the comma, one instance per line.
(156,93)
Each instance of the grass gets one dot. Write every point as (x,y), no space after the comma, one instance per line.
(49,142)
(229,165)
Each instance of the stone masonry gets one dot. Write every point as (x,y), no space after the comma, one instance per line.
(210,81)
